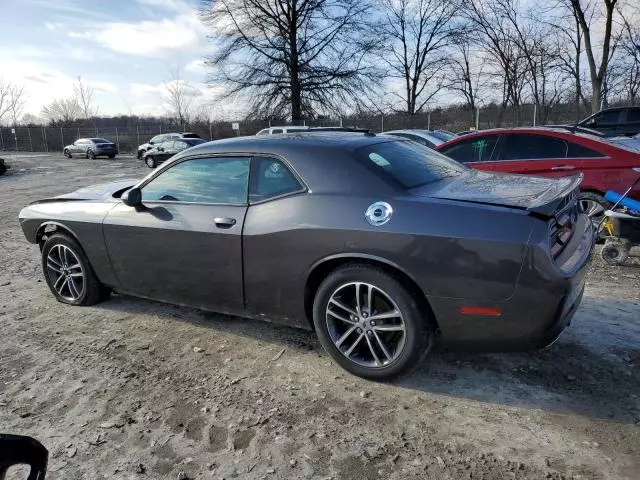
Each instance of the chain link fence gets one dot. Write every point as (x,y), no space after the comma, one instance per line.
(127,138)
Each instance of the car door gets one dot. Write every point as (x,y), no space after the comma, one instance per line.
(475,152)
(534,154)
(77,146)
(163,151)
(631,122)
(183,245)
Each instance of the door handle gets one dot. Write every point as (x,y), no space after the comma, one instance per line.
(224,222)
(563,167)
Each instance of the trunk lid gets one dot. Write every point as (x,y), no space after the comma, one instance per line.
(544,196)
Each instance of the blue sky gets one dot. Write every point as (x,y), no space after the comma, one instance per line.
(124,49)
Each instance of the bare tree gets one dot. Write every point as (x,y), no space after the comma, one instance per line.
(12,100)
(494,31)
(419,32)
(584,12)
(83,94)
(630,48)
(291,57)
(467,75)
(179,96)
(63,111)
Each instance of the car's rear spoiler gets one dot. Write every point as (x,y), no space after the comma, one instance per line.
(557,196)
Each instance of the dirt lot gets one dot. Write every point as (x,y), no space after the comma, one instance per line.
(118,391)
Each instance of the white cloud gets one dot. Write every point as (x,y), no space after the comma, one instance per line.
(151,38)
(195,66)
(140,89)
(173,5)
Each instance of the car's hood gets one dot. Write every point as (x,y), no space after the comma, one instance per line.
(95,192)
(536,194)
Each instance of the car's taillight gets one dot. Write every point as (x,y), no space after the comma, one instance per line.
(562,227)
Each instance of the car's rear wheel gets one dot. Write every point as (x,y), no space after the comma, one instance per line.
(594,205)
(112,156)
(91,154)
(67,153)
(150,161)
(68,273)
(370,323)
(140,154)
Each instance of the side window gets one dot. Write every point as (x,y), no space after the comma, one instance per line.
(532,147)
(633,115)
(578,151)
(179,145)
(202,180)
(276,130)
(473,150)
(608,118)
(271,178)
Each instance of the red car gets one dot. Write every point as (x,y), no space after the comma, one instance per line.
(606,164)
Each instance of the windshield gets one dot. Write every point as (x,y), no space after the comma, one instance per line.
(407,163)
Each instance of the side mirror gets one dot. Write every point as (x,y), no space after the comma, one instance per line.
(132,197)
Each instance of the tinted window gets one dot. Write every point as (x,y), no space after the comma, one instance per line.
(271,178)
(194,141)
(407,163)
(608,118)
(276,130)
(529,147)
(478,149)
(202,180)
(633,115)
(578,151)
(190,135)
(442,135)
(100,140)
(415,138)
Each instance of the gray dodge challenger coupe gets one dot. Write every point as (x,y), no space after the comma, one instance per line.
(377,243)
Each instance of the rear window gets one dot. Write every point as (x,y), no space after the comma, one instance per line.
(442,135)
(194,141)
(190,135)
(100,140)
(406,163)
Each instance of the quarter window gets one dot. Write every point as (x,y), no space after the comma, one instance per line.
(271,178)
(530,147)
(472,150)
(202,180)
(578,151)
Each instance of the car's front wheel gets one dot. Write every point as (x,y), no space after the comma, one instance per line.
(68,273)
(67,153)
(91,154)
(370,323)
(150,161)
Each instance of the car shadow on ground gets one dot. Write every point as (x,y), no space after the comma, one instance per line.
(580,373)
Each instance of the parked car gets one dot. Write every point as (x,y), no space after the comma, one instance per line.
(165,150)
(614,121)
(275,227)
(552,152)
(162,138)
(91,148)
(428,138)
(281,129)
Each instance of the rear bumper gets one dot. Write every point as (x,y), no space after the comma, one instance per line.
(106,151)
(544,302)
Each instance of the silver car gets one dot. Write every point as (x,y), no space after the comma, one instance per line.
(428,138)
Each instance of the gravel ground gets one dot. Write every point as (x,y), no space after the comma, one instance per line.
(138,389)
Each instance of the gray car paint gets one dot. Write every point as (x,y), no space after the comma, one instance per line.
(485,247)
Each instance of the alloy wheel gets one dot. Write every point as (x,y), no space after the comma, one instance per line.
(65,272)
(593,209)
(365,324)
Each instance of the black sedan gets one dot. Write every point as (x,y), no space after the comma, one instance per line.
(165,150)
(91,148)
(378,244)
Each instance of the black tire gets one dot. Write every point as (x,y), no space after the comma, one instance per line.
(112,156)
(91,154)
(140,152)
(150,161)
(418,334)
(91,291)
(615,251)
(67,153)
